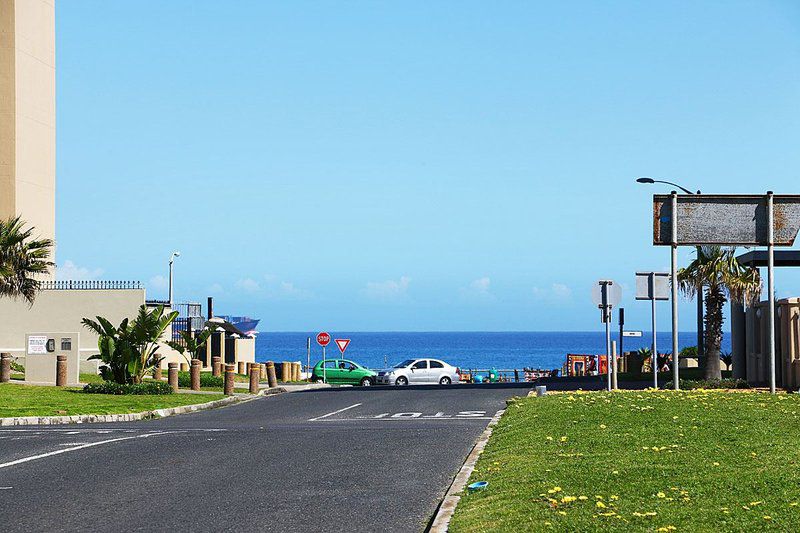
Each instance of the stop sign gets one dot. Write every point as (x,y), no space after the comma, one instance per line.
(323,339)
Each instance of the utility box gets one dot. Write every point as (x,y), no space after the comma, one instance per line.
(788,350)
(41,350)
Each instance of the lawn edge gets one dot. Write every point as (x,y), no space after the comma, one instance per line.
(447,507)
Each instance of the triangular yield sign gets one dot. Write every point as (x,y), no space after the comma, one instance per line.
(342,344)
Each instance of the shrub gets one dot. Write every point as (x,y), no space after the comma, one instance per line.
(206,380)
(725,383)
(17,367)
(109,387)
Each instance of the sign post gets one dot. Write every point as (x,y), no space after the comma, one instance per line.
(606,294)
(732,220)
(308,359)
(653,286)
(323,339)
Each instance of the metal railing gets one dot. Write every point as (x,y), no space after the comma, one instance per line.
(67,285)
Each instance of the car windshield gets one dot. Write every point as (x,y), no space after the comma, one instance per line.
(404,363)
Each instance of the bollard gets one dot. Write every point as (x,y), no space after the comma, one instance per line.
(541,390)
(172,376)
(286,373)
(298,372)
(157,372)
(240,369)
(263,374)
(184,367)
(61,370)
(255,373)
(229,380)
(216,366)
(195,373)
(272,380)
(5,367)
(516,376)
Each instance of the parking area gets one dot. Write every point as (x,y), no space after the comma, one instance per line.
(356,459)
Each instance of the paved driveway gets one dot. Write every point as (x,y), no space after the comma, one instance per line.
(327,460)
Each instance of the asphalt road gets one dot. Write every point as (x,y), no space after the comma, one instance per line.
(347,459)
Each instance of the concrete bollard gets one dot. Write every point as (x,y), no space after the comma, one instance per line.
(298,372)
(240,369)
(216,366)
(5,367)
(286,372)
(61,370)
(157,375)
(272,380)
(263,375)
(195,373)
(184,367)
(541,390)
(172,376)
(255,373)
(229,380)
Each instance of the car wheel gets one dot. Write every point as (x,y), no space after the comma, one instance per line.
(366,382)
(402,381)
(444,381)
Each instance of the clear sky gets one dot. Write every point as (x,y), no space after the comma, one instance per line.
(410,165)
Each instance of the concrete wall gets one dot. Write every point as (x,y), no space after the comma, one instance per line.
(28,113)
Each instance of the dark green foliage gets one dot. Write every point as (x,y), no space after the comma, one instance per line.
(206,380)
(190,344)
(23,260)
(724,383)
(688,351)
(109,387)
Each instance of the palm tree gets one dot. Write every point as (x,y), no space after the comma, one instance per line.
(22,260)
(719,275)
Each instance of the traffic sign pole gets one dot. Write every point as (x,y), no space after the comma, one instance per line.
(654,354)
(676,384)
(323,338)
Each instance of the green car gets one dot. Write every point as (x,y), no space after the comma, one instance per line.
(343,372)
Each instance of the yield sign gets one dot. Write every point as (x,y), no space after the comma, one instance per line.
(342,344)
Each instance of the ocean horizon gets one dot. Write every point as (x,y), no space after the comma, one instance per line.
(467,349)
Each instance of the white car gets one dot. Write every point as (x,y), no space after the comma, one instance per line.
(418,372)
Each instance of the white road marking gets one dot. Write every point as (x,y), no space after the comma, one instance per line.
(408,419)
(71,443)
(75,448)
(333,413)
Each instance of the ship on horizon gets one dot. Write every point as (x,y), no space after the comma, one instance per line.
(244,323)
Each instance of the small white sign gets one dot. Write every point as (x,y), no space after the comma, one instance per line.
(37,344)
(631,333)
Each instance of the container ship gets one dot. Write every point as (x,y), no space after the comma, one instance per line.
(244,323)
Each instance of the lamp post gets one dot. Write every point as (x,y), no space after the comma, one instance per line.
(700,324)
(171,260)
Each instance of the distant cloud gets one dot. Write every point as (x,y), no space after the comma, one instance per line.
(70,271)
(478,290)
(389,290)
(216,288)
(288,290)
(158,282)
(248,285)
(556,293)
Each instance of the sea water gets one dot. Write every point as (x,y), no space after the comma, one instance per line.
(500,350)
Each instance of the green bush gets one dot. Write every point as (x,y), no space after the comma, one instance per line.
(109,387)
(206,380)
(724,383)
(16,367)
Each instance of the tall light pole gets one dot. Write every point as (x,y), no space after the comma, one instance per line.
(700,324)
(171,260)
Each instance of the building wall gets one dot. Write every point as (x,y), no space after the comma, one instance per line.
(28,113)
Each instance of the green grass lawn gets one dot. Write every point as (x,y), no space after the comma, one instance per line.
(640,461)
(29,400)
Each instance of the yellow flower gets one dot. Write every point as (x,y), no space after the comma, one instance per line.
(615,472)
(614,497)
(562,513)
(549,438)
(601,505)
(602,426)
(767,517)
(661,495)
(568,499)
(563,439)
(582,498)
(716,463)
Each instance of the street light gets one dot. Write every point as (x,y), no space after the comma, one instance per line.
(171,260)
(700,325)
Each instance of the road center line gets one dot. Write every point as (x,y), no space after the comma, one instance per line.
(75,448)
(333,413)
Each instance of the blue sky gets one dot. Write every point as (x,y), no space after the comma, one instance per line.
(409,165)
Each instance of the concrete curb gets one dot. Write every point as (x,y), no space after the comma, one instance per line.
(145,415)
(441,520)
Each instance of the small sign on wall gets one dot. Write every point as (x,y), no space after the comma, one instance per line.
(37,344)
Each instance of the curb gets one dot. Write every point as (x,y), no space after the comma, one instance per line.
(446,509)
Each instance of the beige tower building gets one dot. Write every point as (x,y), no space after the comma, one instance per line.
(28,113)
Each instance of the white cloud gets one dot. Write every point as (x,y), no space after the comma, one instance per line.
(556,293)
(288,290)
(561,291)
(478,290)
(389,290)
(248,285)
(158,282)
(70,271)
(216,288)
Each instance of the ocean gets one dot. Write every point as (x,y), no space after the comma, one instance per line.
(479,350)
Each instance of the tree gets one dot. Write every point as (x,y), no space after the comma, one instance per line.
(717,273)
(191,344)
(130,350)
(22,260)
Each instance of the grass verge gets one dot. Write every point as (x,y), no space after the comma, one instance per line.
(640,461)
(29,400)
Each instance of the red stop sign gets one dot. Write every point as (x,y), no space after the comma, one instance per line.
(323,339)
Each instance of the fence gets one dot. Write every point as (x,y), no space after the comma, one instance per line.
(67,285)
